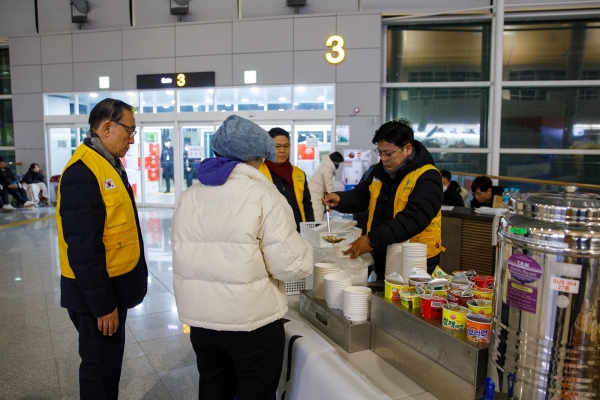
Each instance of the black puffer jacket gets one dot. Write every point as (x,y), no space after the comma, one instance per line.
(83,216)
(33,177)
(423,204)
(288,192)
(452,195)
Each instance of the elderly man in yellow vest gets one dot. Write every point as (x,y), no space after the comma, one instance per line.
(403,195)
(102,263)
(289,180)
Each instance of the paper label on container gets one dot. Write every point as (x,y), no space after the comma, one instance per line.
(524,268)
(564,285)
(521,296)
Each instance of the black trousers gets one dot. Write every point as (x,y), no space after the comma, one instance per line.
(239,365)
(19,193)
(167,173)
(101,357)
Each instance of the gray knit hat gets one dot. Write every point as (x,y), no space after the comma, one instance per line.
(242,139)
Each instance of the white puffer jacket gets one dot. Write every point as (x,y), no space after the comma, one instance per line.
(234,246)
(321,181)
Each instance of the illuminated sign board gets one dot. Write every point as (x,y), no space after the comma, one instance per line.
(337,46)
(176,80)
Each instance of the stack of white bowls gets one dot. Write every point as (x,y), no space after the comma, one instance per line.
(414,255)
(334,284)
(322,269)
(357,303)
(393,259)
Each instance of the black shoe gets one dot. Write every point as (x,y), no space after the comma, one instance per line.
(167,191)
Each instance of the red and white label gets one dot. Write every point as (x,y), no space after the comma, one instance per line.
(564,285)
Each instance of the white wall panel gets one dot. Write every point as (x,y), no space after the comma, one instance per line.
(329,6)
(29,134)
(26,79)
(27,107)
(132,68)
(57,78)
(148,43)
(265,8)
(360,65)
(97,46)
(360,31)
(271,68)
(24,50)
(311,33)
(203,39)
(362,130)
(366,96)
(55,16)
(263,35)
(106,14)
(57,49)
(311,67)
(420,5)
(222,65)
(85,75)
(213,10)
(16,18)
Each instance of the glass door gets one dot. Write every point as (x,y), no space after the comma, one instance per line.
(158,163)
(313,140)
(196,147)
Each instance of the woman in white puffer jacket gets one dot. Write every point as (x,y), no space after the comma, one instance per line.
(321,181)
(234,245)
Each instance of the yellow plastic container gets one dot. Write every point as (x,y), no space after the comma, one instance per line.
(454,317)
(481,307)
(392,290)
(410,298)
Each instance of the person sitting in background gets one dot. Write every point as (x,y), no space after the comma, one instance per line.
(484,192)
(322,181)
(4,201)
(288,179)
(33,183)
(9,182)
(452,195)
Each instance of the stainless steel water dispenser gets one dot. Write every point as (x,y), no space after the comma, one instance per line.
(546,300)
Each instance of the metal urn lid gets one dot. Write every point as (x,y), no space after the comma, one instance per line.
(567,207)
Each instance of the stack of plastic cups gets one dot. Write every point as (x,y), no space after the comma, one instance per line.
(322,269)
(357,303)
(393,260)
(414,255)
(334,284)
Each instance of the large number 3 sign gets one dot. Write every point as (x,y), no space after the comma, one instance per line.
(338,48)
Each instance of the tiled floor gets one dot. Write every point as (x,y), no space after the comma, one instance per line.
(38,343)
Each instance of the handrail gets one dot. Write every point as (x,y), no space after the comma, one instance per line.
(530,180)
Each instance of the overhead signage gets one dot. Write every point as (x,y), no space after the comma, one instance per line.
(337,46)
(176,80)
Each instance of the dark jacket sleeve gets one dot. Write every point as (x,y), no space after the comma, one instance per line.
(83,214)
(32,177)
(423,205)
(307,203)
(452,195)
(7,177)
(357,199)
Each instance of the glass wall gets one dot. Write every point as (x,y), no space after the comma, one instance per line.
(7,133)
(4,71)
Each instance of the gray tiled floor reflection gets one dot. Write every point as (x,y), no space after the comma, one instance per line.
(38,343)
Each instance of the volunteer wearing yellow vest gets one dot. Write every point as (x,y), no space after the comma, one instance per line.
(289,180)
(102,263)
(403,195)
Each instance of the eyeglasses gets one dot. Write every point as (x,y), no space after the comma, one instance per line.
(384,154)
(282,146)
(132,130)
(477,194)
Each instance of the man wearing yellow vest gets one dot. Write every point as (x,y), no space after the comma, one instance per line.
(289,180)
(102,263)
(403,195)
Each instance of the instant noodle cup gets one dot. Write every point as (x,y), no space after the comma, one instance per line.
(481,307)
(483,294)
(454,317)
(392,290)
(410,298)
(431,306)
(478,328)
(459,297)
(484,281)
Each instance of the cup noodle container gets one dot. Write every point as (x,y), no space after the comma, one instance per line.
(483,294)
(458,297)
(484,281)
(431,306)
(393,289)
(478,328)
(319,272)
(481,307)
(454,317)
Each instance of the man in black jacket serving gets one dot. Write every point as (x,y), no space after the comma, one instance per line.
(403,196)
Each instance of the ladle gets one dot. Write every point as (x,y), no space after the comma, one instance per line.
(330,238)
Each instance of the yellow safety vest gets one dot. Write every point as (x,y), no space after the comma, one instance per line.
(432,235)
(299,180)
(120,237)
